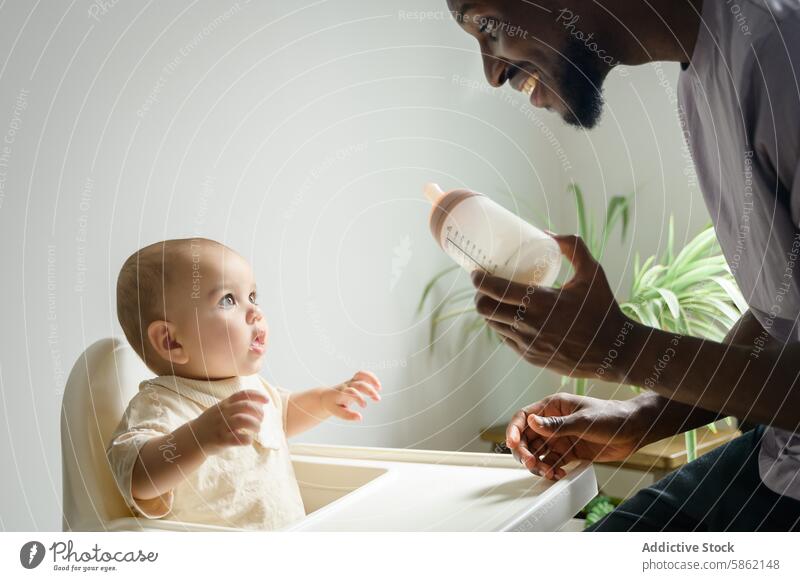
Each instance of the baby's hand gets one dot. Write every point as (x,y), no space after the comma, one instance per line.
(337,399)
(232,422)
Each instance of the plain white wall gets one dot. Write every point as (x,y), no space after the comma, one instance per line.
(300,134)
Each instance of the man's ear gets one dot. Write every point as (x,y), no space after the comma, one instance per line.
(162,339)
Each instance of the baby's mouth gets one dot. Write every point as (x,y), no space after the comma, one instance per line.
(258,344)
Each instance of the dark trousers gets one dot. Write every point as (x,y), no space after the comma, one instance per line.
(720,491)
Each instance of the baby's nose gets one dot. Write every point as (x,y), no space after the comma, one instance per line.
(255,314)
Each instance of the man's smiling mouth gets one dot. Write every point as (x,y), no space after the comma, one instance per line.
(529,86)
(524,81)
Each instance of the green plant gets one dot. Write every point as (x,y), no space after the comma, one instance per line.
(599,507)
(690,293)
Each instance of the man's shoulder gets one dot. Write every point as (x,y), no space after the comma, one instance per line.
(749,22)
(775,9)
(763,22)
(774,57)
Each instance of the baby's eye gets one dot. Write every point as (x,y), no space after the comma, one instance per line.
(253,298)
(227,301)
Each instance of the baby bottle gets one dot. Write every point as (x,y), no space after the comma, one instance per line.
(480,234)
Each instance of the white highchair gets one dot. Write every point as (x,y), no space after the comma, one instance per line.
(343,487)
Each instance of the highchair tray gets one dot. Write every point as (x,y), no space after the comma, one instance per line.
(384,489)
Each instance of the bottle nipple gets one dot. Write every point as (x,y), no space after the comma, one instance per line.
(433,192)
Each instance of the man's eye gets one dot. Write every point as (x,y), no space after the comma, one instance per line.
(489,26)
(227,301)
(253,298)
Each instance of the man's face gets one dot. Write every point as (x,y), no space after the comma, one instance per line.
(521,39)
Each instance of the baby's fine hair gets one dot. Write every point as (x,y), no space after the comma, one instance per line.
(141,285)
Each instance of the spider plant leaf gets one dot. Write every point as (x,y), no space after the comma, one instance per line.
(715,324)
(643,315)
(592,243)
(431,284)
(473,327)
(671,300)
(452,314)
(670,255)
(445,303)
(707,331)
(693,277)
(580,209)
(650,276)
(725,308)
(618,209)
(701,244)
(646,265)
(477,322)
(461,295)
(732,291)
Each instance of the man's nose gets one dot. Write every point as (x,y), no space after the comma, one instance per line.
(494,68)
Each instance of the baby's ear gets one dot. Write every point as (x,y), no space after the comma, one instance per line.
(161,335)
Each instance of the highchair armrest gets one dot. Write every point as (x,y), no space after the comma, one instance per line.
(146,525)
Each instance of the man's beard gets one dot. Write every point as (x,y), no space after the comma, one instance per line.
(580,85)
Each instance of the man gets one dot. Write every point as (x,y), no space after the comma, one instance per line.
(739,101)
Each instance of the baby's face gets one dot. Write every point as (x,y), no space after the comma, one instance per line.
(214,306)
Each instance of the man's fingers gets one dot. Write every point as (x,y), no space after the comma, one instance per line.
(525,457)
(575,250)
(489,308)
(505,331)
(520,420)
(568,425)
(506,291)
(514,429)
(512,436)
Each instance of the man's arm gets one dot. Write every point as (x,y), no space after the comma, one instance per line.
(753,378)
(669,417)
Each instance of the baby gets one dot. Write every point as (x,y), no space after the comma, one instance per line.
(205,440)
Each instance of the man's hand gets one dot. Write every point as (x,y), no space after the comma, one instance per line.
(337,400)
(564,427)
(232,422)
(578,330)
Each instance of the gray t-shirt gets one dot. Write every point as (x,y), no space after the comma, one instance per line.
(739,101)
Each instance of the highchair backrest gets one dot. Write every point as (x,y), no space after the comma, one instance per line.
(102,382)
